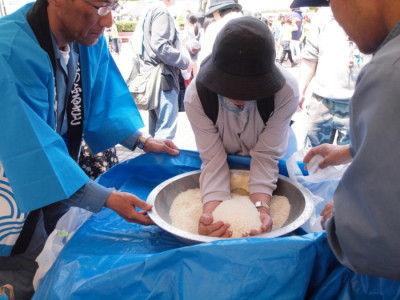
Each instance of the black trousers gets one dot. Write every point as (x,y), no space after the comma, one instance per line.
(289,54)
(50,213)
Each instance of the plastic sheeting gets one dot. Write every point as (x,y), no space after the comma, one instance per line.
(108,258)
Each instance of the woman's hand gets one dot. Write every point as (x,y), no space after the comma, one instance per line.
(265,217)
(206,225)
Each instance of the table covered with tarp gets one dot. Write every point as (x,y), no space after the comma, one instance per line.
(109,258)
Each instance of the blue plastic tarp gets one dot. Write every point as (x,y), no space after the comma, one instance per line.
(108,258)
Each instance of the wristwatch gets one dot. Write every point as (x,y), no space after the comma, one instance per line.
(262,204)
(142,140)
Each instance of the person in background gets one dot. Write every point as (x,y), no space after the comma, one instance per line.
(269,21)
(114,37)
(161,44)
(305,31)
(329,61)
(200,21)
(276,32)
(286,36)
(242,76)
(191,39)
(297,17)
(72,88)
(223,11)
(362,224)
(207,21)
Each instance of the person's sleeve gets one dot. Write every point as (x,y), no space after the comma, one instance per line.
(273,141)
(91,197)
(215,176)
(311,48)
(131,141)
(162,41)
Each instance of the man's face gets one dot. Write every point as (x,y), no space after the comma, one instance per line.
(80,22)
(362,21)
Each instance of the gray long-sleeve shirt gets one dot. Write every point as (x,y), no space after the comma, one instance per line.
(161,44)
(241,132)
(364,232)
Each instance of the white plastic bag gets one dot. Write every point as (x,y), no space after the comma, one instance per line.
(321,183)
(65,229)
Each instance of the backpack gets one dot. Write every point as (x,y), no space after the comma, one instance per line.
(209,101)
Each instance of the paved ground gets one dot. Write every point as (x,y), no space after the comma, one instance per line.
(184,137)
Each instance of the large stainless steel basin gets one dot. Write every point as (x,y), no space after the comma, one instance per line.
(162,196)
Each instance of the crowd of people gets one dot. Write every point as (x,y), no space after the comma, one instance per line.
(239,100)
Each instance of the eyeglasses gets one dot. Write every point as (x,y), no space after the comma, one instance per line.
(104,10)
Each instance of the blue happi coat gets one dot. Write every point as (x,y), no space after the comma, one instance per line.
(34,156)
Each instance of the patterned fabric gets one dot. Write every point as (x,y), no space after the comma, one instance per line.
(96,164)
(11,218)
(327,120)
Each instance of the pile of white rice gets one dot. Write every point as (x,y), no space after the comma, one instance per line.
(239,211)
(186,210)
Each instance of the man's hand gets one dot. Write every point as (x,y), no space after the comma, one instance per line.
(333,155)
(125,205)
(158,145)
(326,213)
(206,225)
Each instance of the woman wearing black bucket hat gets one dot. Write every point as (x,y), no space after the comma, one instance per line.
(240,103)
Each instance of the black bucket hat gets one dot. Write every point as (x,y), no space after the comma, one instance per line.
(216,5)
(309,3)
(242,63)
